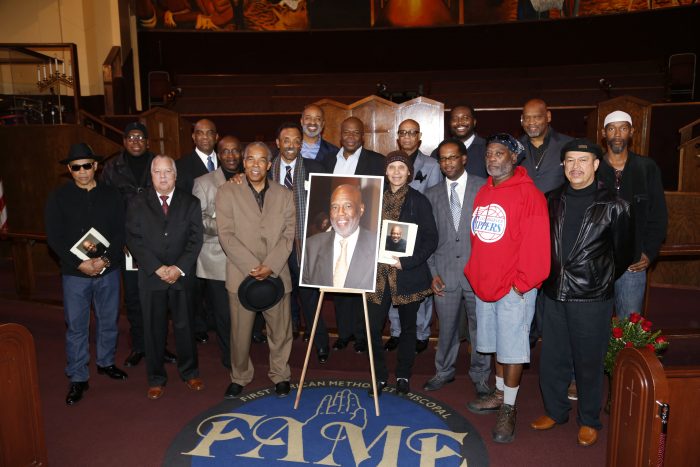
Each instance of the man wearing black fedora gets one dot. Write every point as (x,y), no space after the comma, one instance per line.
(256,221)
(71,211)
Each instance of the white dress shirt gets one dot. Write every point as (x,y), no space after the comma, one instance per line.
(204,157)
(283,170)
(460,188)
(347,166)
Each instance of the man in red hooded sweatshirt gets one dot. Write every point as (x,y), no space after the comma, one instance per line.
(510,259)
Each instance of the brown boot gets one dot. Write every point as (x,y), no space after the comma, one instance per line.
(488,403)
(504,431)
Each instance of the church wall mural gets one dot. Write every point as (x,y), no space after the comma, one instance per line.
(289,15)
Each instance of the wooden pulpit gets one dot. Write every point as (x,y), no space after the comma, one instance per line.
(642,389)
(22,439)
(168,133)
(639,110)
(381,119)
(689,166)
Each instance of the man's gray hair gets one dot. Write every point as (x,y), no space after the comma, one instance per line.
(258,144)
(163,156)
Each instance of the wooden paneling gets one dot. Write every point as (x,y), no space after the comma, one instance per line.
(21,423)
(639,110)
(689,166)
(168,133)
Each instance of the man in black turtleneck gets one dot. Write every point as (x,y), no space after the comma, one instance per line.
(130,173)
(592,243)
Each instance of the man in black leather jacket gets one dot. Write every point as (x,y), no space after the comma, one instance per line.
(592,243)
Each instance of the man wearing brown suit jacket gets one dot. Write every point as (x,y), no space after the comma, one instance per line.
(256,221)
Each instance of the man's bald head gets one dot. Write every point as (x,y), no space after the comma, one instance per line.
(205,135)
(409,136)
(535,118)
(351,134)
(229,152)
(346,209)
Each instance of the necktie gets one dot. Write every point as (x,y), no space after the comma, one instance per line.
(341,266)
(210,164)
(288,177)
(165,204)
(455,205)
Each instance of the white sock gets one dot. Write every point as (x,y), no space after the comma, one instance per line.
(509,394)
(499,383)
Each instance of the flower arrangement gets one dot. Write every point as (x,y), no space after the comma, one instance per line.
(634,331)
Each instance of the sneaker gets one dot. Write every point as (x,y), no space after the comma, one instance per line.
(571,393)
(487,404)
(504,431)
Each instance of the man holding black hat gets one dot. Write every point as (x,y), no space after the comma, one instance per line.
(129,172)
(256,224)
(592,243)
(508,262)
(71,211)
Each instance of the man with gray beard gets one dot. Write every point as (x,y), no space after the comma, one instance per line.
(313,145)
(637,180)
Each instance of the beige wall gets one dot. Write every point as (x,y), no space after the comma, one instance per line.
(91,24)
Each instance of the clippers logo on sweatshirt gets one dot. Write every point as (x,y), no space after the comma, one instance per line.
(489,223)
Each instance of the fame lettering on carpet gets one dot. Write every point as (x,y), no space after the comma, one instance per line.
(335,425)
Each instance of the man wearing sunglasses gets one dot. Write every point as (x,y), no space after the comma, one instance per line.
(71,211)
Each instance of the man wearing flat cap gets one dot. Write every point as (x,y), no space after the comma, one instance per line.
(129,172)
(592,243)
(637,180)
(256,222)
(509,260)
(71,211)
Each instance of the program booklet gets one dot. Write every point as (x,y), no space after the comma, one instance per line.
(397,240)
(91,245)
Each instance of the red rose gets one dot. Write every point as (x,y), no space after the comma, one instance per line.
(651,347)
(628,345)
(660,340)
(617,333)
(634,317)
(646,325)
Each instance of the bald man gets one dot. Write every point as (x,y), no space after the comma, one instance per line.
(313,145)
(352,158)
(463,127)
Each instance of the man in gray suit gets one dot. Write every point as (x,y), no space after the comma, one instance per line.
(211,263)
(346,256)
(452,203)
(427,174)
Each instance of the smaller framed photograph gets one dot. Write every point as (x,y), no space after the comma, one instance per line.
(91,245)
(397,240)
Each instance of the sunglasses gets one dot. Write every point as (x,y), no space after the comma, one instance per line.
(77,167)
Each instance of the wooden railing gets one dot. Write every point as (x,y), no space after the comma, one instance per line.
(22,242)
(111,74)
(95,123)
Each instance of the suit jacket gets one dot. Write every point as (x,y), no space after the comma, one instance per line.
(550,175)
(155,239)
(250,237)
(370,163)
(190,167)
(318,261)
(211,262)
(426,173)
(454,247)
(325,151)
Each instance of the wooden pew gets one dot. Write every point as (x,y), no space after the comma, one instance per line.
(641,385)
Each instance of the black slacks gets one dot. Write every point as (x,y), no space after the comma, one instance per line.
(216,298)
(574,334)
(133,309)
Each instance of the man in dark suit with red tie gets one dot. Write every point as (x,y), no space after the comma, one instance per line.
(165,235)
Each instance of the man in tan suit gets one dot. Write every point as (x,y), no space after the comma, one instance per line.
(256,222)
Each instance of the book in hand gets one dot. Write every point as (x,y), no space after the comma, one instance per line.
(397,240)
(91,245)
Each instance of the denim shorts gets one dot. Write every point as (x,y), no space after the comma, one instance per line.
(503,326)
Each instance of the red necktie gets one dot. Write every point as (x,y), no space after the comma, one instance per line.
(165,204)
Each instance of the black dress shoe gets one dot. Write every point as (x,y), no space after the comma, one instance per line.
(282,388)
(169,357)
(133,359)
(392,343)
(341,343)
(112,371)
(322,355)
(421,345)
(233,390)
(259,338)
(75,391)
(402,387)
(360,347)
(201,337)
(380,387)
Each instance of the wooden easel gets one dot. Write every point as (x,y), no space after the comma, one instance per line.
(313,334)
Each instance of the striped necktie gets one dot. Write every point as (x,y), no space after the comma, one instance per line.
(288,177)
(455,205)
(210,164)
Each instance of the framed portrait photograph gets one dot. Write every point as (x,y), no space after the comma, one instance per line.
(91,245)
(341,232)
(398,240)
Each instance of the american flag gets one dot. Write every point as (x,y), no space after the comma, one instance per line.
(3,209)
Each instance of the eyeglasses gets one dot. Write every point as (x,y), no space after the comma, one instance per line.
(411,133)
(449,159)
(135,138)
(77,167)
